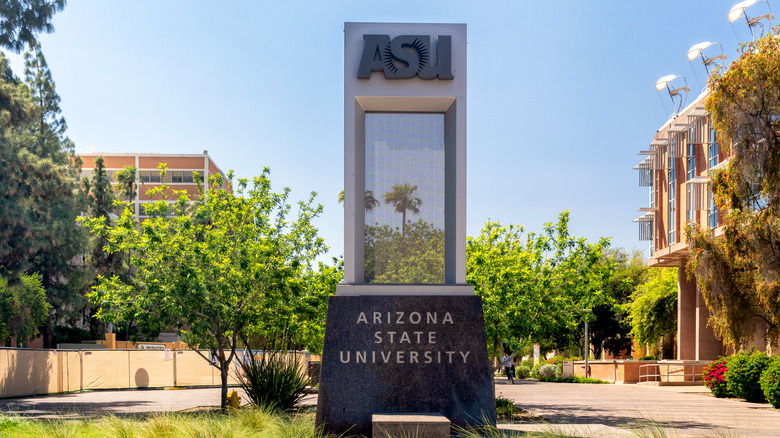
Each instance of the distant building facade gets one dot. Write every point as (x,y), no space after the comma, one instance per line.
(677,168)
(180,174)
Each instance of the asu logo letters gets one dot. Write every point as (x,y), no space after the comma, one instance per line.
(406,56)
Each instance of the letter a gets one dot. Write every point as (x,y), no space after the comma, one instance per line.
(372,55)
(362,318)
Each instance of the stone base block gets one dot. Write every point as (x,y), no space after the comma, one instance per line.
(411,425)
(404,355)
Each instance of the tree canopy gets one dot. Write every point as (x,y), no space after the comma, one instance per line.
(228,269)
(654,307)
(535,286)
(21,20)
(23,308)
(39,196)
(739,274)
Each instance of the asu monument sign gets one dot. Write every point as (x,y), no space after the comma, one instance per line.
(404,334)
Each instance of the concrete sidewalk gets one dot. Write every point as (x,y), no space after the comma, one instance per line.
(614,410)
(574,409)
(94,403)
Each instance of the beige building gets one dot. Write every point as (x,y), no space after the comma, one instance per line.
(677,167)
(179,176)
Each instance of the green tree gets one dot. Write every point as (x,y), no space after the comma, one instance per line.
(739,273)
(304,305)
(100,207)
(127,182)
(653,312)
(403,198)
(40,189)
(611,327)
(535,286)
(217,274)
(45,134)
(15,191)
(21,20)
(23,308)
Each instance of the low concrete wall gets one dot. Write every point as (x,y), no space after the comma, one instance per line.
(32,372)
(653,371)
(615,371)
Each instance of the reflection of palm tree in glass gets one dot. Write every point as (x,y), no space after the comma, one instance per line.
(369,200)
(402,197)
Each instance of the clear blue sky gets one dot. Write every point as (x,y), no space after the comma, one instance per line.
(560,93)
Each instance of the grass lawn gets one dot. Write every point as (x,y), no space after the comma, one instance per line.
(245,422)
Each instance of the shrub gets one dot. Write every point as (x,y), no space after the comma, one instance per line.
(715,377)
(535,371)
(648,357)
(547,372)
(275,381)
(578,379)
(770,382)
(504,407)
(743,375)
(522,372)
(557,360)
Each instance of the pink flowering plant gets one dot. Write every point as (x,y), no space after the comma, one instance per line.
(770,382)
(715,377)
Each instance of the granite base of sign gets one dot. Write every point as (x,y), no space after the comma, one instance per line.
(411,425)
(404,355)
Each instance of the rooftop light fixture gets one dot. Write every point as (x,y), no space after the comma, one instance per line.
(678,94)
(698,51)
(740,10)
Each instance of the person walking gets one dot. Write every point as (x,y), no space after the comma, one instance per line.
(507,364)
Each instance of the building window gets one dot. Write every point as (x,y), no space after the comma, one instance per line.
(672,199)
(691,161)
(150,176)
(713,147)
(404,197)
(180,176)
(712,210)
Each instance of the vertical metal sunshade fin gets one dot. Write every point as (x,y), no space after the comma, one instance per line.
(697,126)
(646,222)
(645,168)
(676,138)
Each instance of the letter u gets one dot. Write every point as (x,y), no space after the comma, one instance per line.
(341,357)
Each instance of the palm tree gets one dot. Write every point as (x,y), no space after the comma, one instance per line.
(402,197)
(369,199)
(127,181)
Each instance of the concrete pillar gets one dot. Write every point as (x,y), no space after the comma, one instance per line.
(708,346)
(686,315)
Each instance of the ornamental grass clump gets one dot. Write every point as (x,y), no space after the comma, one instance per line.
(715,377)
(275,380)
(743,375)
(770,382)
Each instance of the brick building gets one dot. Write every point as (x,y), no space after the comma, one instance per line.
(179,176)
(677,167)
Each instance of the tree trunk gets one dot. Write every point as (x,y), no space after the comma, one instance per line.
(223,373)
(47,332)
(492,363)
